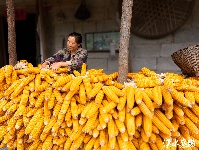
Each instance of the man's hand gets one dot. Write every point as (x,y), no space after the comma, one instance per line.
(45,65)
(55,66)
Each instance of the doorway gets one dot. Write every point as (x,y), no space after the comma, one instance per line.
(25,38)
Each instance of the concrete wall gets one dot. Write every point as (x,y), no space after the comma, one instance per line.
(153,54)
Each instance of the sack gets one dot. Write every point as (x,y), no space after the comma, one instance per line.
(82,12)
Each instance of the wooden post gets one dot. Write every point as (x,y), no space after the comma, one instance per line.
(124,40)
(11,32)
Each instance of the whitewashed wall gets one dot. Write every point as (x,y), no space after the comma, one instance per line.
(153,54)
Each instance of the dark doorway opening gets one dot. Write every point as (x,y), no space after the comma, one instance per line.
(25,38)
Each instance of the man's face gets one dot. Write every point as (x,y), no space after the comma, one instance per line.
(72,45)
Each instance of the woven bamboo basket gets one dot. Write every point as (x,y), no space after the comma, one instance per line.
(187,59)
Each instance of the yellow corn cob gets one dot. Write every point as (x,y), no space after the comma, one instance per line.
(48,93)
(86,109)
(111,128)
(180,98)
(152,138)
(58,96)
(138,96)
(169,111)
(37,129)
(40,100)
(164,119)
(34,145)
(159,142)
(33,121)
(20,86)
(62,80)
(130,124)
(90,144)
(122,144)
(2,75)
(65,107)
(12,109)
(8,70)
(102,137)
(31,112)
(75,84)
(76,73)
(145,138)
(48,142)
(179,119)
(110,106)
(44,85)
(109,82)
(147,125)
(157,95)
(97,87)
(120,126)
(118,85)
(117,91)
(112,142)
(145,110)
(122,100)
(82,120)
(7,106)
(62,131)
(147,101)
(138,120)
(56,109)
(74,108)
(19,123)
(48,127)
(66,87)
(51,101)
(48,79)
(11,124)
(102,123)
(185,132)
(2,104)
(11,88)
(160,125)
(125,136)
(190,97)
(88,126)
(99,97)
(110,94)
(190,114)
(178,110)
(87,85)
(195,109)
(96,145)
(75,135)
(47,112)
(69,95)
(130,97)
(92,110)
(55,129)
(121,114)
(82,94)
(192,127)
(95,132)
(68,143)
(75,124)
(135,111)
(166,96)
(83,70)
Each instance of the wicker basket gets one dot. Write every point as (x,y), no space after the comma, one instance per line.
(187,59)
